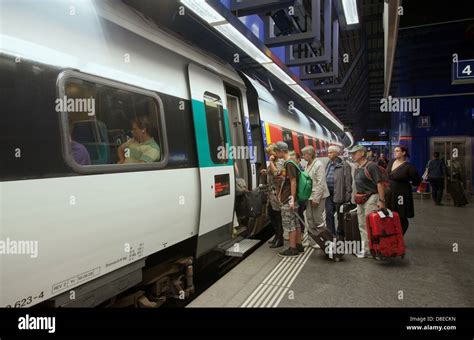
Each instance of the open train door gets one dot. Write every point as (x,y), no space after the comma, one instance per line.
(216,171)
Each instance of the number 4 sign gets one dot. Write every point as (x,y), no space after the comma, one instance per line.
(463,72)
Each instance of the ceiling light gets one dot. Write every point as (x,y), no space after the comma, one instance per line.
(279,73)
(234,35)
(204,10)
(350,11)
(301,91)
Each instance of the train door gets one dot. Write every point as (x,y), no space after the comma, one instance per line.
(216,171)
(236,127)
(456,151)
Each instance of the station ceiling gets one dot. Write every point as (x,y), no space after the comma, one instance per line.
(352,89)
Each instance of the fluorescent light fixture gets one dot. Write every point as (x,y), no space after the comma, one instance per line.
(219,23)
(350,11)
(301,91)
(315,103)
(238,39)
(203,10)
(279,73)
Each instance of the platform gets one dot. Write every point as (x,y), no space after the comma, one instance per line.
(431,275)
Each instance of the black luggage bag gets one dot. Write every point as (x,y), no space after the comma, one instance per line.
(456,190)
(254,203)
(325,240)
(350,223)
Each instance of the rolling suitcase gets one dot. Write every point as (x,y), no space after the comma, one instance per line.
(385,234)
(456,190)
(350,222)
(325,240)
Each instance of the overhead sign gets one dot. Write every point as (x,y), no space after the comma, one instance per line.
(463,72)
(424,122)
(373,143)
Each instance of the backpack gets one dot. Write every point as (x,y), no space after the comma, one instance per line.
(383,171)
(305,183)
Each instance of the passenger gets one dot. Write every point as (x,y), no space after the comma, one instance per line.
(274,183)
(316,203)
(383,162)
(142,148)
(403,176)
(79,153)
(436,172)
(295,156)
(287,198)
(339,182)
(370,194)
(371,156)
(301,204)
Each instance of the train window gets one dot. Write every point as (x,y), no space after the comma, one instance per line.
(319,151)
(311,142)
(288,138)
(301,141)
(215,127)
(109,126)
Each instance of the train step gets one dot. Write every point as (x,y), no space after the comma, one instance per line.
(240,248)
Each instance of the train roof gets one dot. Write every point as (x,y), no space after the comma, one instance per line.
(99,38)
(275,111)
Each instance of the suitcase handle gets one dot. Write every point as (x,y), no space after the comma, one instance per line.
(386,213)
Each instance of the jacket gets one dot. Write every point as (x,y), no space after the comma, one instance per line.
(436,168)
(320,188)
(342,181)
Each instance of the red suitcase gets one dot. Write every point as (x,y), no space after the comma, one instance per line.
(385,234)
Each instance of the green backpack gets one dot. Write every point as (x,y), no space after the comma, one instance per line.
(305,183)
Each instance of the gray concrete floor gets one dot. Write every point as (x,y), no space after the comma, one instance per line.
(431,275)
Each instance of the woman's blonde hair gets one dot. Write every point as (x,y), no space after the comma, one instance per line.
(270,149)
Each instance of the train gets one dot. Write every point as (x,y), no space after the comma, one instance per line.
(82,234)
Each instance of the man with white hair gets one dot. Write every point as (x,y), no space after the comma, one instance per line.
(316,203)
(339,181)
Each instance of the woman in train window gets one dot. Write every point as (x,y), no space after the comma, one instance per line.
(142,148)
(403,176)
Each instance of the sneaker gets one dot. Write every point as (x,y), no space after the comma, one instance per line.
(363,255)
(300,248)
(290,252)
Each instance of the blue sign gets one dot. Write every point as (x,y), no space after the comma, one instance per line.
(264,135)
(249,139)
(463,72)
(373,143)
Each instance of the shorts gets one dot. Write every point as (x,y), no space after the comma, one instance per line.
(289,220)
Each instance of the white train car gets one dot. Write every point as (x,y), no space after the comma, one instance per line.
(103,225)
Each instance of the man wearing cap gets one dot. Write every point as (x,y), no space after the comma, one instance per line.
(370,190)
(287,198)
